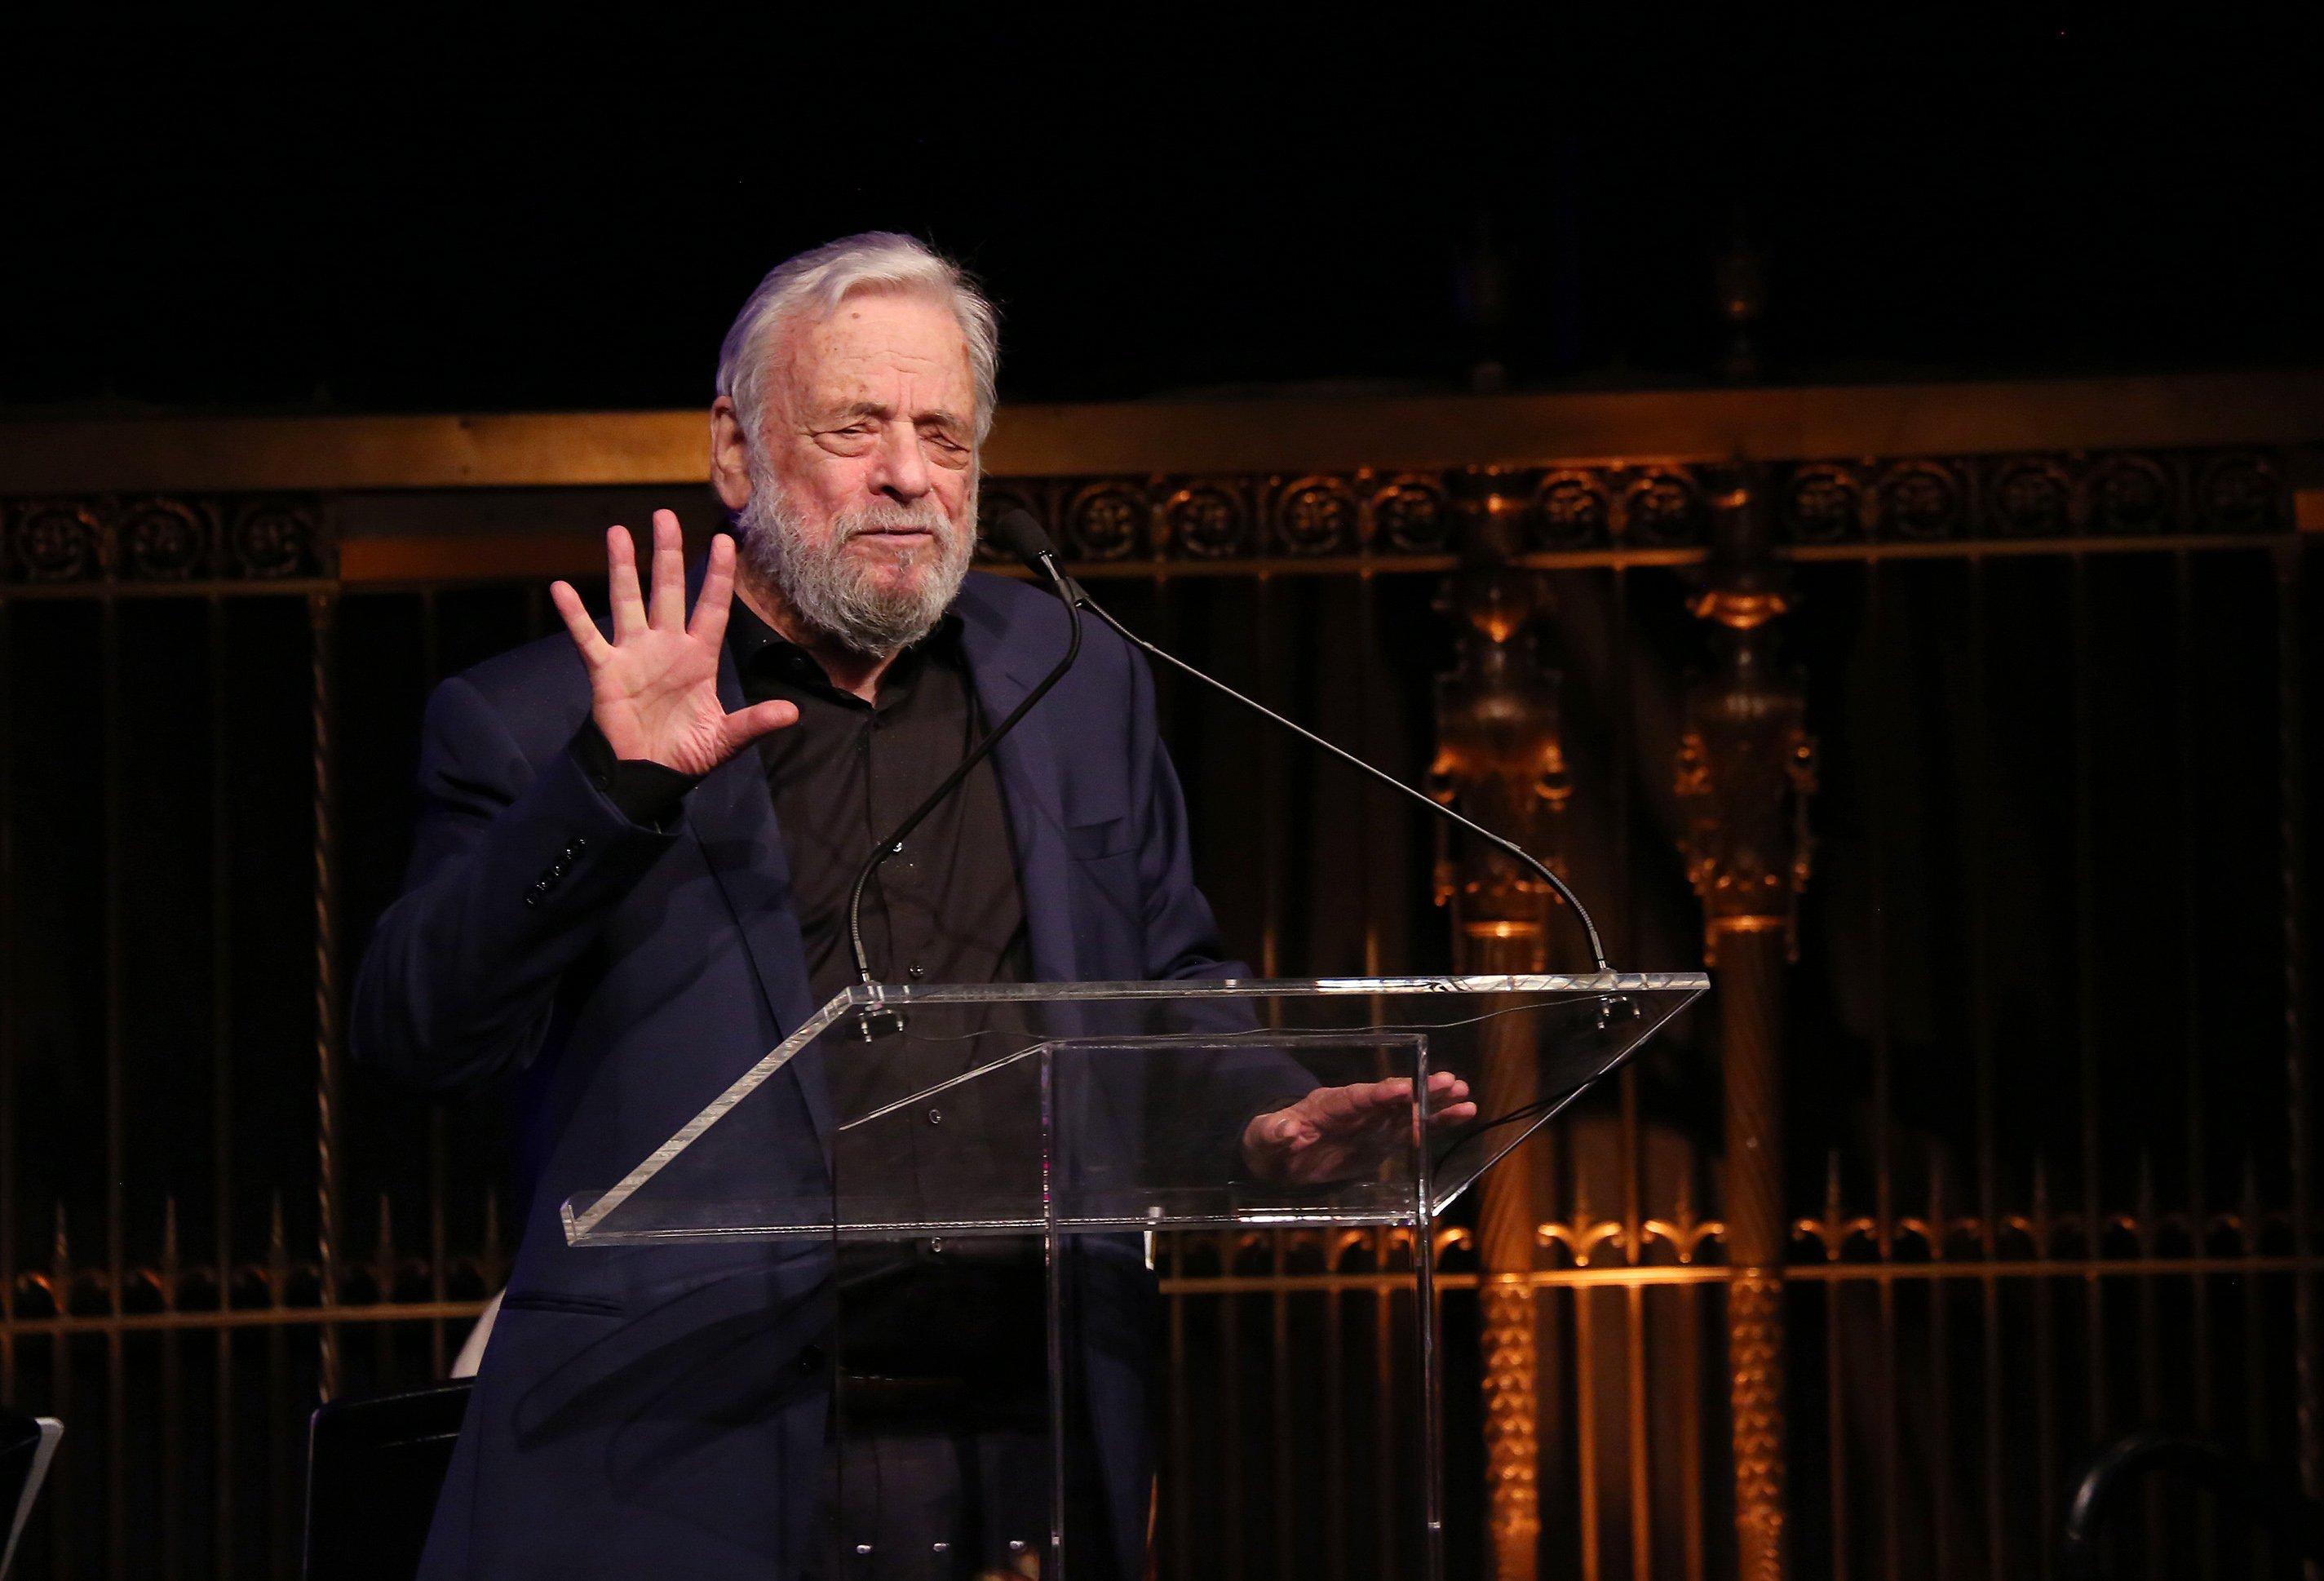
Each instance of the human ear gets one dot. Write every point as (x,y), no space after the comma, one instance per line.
(730,455)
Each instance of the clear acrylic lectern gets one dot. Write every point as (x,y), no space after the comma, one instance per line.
(1024,1137)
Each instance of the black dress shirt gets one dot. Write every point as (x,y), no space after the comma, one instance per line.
(946,909)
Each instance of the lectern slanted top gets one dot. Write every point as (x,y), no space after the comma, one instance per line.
(1060,1111)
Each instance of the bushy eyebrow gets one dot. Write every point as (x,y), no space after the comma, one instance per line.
(875,409)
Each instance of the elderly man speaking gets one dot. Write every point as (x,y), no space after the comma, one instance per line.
(630,881)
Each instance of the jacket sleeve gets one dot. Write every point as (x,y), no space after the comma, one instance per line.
(1204,1104)
(1181,936)
(513,868)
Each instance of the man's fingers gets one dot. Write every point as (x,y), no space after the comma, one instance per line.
(745,726)
(710,607)
(586,635)
(621,584)
(668,611)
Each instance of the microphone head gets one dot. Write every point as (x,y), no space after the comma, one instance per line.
(1016,532)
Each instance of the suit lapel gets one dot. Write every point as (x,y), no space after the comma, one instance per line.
(734,820)
(1028,764)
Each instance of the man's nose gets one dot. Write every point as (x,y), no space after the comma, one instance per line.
(903,472)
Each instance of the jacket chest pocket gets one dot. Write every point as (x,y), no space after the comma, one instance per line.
(1100,838)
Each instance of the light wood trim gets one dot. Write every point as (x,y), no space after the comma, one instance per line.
(566,450)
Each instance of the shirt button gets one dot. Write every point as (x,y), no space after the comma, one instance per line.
(935,1116)
(916,972)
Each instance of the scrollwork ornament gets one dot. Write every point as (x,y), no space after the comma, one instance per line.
(59,541)
(1207,521)
(2240,492)
(1922,500)
(2130,496)
(274,540)
(1317,515)
(1572,509)
(1412,515)
(2032,496)
(164,541)
(1107,522)
(1662,507)
(1823,502)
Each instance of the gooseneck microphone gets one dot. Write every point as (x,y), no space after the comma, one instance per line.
(1020,535)
(1043,558)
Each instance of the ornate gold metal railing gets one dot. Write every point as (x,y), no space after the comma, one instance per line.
(1917,1431)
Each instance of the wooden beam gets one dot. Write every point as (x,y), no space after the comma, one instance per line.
(1290,435)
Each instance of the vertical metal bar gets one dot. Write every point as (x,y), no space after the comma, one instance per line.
(2150,1353)
(1182,1500)
(117,1095)
(1884,1163)
(278,1410)
(1690,1298)
(322,612)
(1271,790)
(64,1479)
(2086,988)
(1177,1500)
(1367,802)
(1279,1407)
(2258,1448)
(221,1090)
(2045,1388)
(2290,744)
(1641,1477)
(1336,1475)
(1384,1435)
(1335,1416)
(1941,1514)
(1425,1315)
(173,1394)
(1585,1402)
(1690,1453)
(2191,956)
(1835,1379)
(1634,1235)
(1984,799)
(1230,1482)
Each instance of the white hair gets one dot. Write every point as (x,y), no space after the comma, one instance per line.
(817,281)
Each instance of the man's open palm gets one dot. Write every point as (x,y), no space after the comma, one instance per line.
(654,687)
(1344,1132)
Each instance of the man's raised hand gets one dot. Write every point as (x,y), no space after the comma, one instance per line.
(654,687)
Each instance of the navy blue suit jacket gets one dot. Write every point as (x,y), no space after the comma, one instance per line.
(658,1410)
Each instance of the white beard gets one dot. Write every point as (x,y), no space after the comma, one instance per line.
(845,596)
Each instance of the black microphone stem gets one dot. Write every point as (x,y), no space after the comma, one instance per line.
(895,841)
(1596,948)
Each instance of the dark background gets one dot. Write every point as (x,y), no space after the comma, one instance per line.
(441,216)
